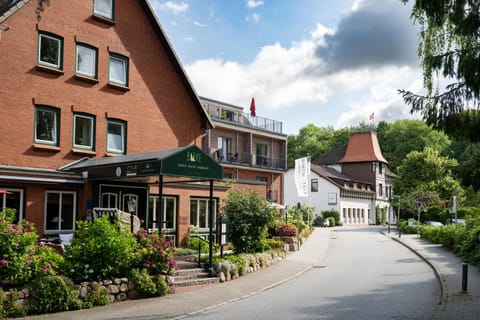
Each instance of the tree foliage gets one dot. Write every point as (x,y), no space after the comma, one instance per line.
(404,136)
(248,219)
(314,141)
(428,175)
(449,48)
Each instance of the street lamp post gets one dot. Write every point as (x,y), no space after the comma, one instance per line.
(132,204)
(398,215)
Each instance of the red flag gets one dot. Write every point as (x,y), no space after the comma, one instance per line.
(252,108)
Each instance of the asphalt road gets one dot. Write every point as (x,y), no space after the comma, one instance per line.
(365,275)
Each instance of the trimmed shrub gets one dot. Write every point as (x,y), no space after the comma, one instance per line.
(286,230)
(156,253)
(248,219)
(148,286)
(100,250)
(332,222)
(52,294)
(333,214)
(21,258)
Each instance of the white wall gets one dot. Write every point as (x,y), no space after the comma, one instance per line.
(319,199)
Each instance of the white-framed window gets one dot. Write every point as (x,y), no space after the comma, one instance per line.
(47,124)
(86,60)
(118,69)
(13,200)
(60,211)
(83,131)
(109,200)
(314,185)
(199,212)
(116,136)
(169,217)
(50,50)
(103,8)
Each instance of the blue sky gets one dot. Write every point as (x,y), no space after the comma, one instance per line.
(326,62)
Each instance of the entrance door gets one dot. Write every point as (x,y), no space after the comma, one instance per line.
(117,196)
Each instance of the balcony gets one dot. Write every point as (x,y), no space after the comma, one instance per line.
(244,119)
(250,160)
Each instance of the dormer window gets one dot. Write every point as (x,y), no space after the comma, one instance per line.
(103,9)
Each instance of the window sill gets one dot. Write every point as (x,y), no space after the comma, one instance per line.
(110,154)
(118,87)
(104,20)
(46,147)
(50,70)
(84,151)
(86,79)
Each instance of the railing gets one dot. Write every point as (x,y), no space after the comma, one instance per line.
(245,119)
(200,247)
(250,160)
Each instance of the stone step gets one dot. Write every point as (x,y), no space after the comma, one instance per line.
(196,282)
(189,275)
(183,272)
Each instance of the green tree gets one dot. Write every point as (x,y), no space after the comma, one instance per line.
(404,136)
(469,164)
(428,175)
(314,141)
(448,46)
(248,219)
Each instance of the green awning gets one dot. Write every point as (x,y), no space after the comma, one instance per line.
(188,161)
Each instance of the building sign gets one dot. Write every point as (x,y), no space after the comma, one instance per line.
(332,198)
(302,176)
(186,162)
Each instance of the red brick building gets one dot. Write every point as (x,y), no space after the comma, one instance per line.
(92,85)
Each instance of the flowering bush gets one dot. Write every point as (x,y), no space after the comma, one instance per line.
(21,257)
(286,230)
(100,250)
(156,253)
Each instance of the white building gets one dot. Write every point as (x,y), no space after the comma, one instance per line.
(353,180)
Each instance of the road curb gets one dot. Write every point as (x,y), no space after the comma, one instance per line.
(427,261)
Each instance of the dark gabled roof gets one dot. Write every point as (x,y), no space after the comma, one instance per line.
(6,5)
(332,157)
(336,177)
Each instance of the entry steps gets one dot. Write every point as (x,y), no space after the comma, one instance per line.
(189,275)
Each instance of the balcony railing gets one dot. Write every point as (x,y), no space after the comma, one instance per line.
(244,119)
(251,160)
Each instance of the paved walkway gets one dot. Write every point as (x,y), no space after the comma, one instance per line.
(181,305)
(454,303)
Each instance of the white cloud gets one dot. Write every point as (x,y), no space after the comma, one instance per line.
(174,7)
(290,77)
(254,17)
(251,4)
(198,24)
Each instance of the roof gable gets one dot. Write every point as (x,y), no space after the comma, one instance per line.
(363,147)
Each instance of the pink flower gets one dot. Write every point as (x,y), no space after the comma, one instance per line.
(44,271)
(3,262)
(28,261)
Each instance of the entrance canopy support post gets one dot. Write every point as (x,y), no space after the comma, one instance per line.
(211,215)
(160,204)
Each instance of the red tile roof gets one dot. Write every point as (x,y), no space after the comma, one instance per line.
(363,147)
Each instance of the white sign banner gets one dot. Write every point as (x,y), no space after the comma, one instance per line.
(302,176)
